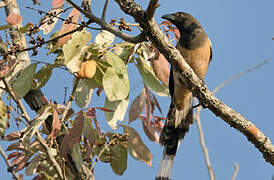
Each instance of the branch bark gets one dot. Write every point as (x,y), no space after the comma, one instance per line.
(196,85)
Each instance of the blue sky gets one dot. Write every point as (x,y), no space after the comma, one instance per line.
(241,34)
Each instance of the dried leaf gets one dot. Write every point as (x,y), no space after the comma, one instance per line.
(13,136)
(68,26)
(15,146)
(154,101)
(136,147)
(150,132)
(136,107)
(73,136)
(161,67)
(56,126)
(57,3)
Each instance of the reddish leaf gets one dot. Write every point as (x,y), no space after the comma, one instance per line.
(104,109)
(57,3)
(20,157)
(15,146)
(14,19)
(155,102)
(68,26)
(13,136)
(20,165)
(149,108)
(136,107)
(14,154)
(151,132)
(55,123)
(73,136)
(161,67)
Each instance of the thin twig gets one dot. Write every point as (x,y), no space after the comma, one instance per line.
(17,101)
(45,42)
(202,142)
(236,166)
(62,19)
(237,76)
(70,100)
(101,152)
(133,39)
(105,10)
(15,175)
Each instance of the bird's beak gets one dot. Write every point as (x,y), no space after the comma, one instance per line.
(169,17)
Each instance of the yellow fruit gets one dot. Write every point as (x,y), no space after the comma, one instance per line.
(87,69)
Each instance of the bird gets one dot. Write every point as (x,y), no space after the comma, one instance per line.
(195,47)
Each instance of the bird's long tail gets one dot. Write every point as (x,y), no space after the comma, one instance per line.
(176,126)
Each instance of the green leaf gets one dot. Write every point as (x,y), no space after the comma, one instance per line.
(91,83)
(83,94)
(4,121)
(88,131)
(35,124)
(104,38)
(77,156)
(43,75)
(119,111)
(115,80)
(75,44)
(115,61)
(116,84)
(136,146)
(23,82)
(119,161)
(149,78)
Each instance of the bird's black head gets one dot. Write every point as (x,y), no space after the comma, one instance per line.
(192,34)
(183,21)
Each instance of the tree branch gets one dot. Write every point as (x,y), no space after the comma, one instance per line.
(153,4)
(196,85)
(235,172)
(105,10)
(202,142)
(136,39)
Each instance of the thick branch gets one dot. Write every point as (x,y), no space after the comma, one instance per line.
(136,39)
(197,86)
